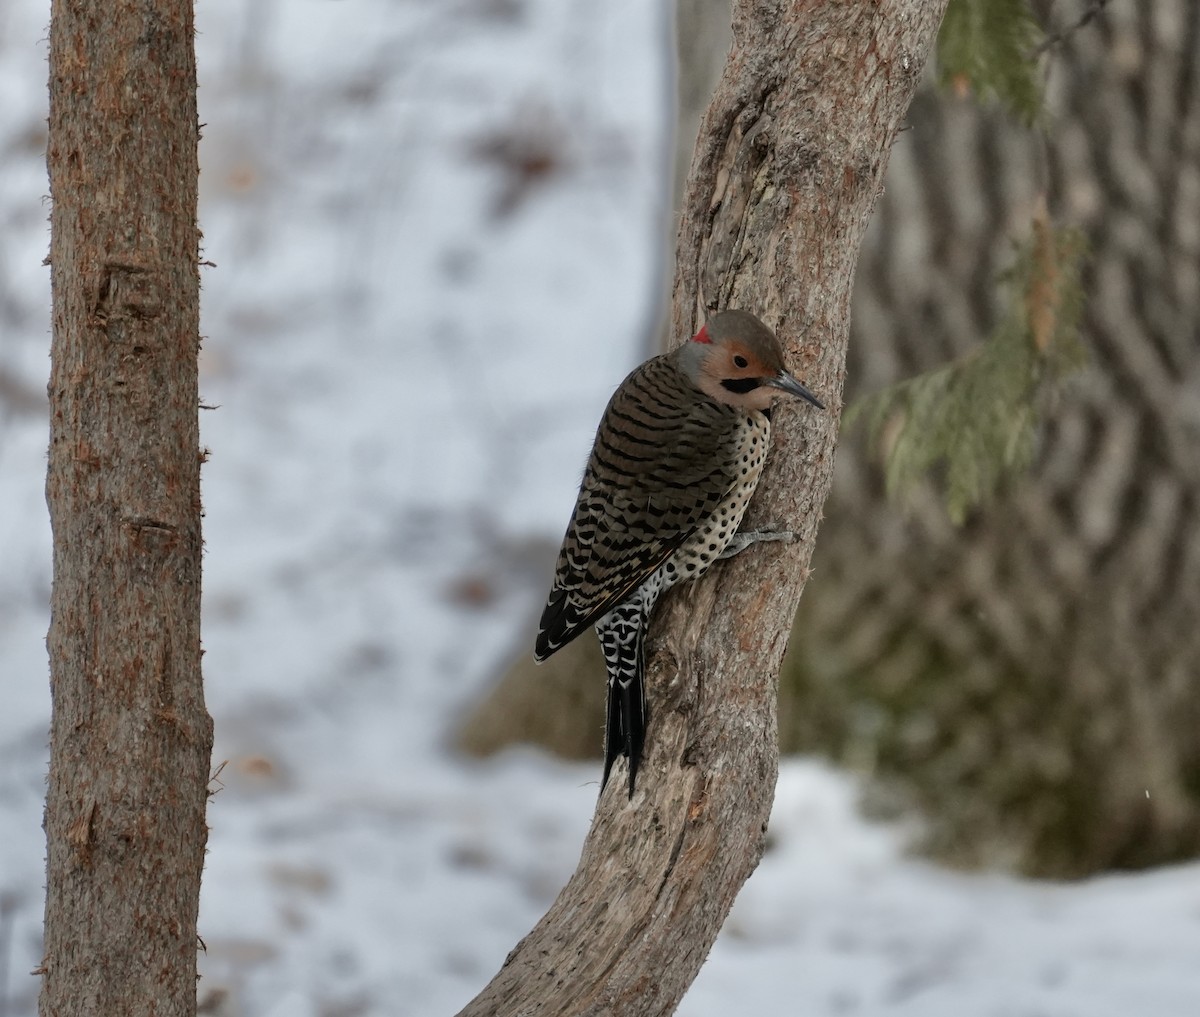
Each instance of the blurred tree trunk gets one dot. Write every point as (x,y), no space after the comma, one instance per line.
(130,738)
(701,43)
(1032,680)
(771,221)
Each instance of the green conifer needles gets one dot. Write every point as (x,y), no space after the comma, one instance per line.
(975,420)
(987,48)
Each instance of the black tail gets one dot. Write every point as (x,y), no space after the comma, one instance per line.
(622,639)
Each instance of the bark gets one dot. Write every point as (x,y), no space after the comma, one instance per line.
(130,738)
(789,162)
(1029,679)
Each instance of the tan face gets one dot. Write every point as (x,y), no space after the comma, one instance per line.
(732,373)
(736,360)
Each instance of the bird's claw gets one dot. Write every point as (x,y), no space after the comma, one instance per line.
(741,541)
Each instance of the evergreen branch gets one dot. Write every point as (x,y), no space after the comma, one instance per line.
(986,47)
(973,423)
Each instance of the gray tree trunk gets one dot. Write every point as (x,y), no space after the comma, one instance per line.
(130,738)
(791,155)
(1032,680)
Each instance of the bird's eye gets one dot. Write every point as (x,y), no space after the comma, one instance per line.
(740,361)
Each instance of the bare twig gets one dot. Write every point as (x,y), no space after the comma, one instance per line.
(1094,8)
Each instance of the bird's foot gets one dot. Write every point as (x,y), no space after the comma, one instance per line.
(741,541)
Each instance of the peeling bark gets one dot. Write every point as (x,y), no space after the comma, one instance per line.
(790,159)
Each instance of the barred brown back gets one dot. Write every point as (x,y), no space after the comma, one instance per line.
(662,462)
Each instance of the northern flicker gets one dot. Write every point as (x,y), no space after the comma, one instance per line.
(676,458)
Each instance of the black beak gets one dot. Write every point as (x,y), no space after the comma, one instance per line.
(786,383)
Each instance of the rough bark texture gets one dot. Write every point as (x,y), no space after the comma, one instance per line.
(790,158)
(1031,678)
(130,736)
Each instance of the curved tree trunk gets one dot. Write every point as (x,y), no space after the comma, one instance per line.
(130,739)
(791,156)
(1031,678)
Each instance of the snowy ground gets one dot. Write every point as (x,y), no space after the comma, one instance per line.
(436,227)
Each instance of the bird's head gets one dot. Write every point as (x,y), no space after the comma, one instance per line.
(735,359)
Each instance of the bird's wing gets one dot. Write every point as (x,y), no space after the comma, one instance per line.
(659,467)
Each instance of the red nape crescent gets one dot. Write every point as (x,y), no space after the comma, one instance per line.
(702,336)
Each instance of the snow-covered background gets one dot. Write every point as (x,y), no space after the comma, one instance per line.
(437,227)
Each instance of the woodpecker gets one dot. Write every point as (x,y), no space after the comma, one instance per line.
(676,458)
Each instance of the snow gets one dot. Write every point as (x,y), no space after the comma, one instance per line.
(409,348)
